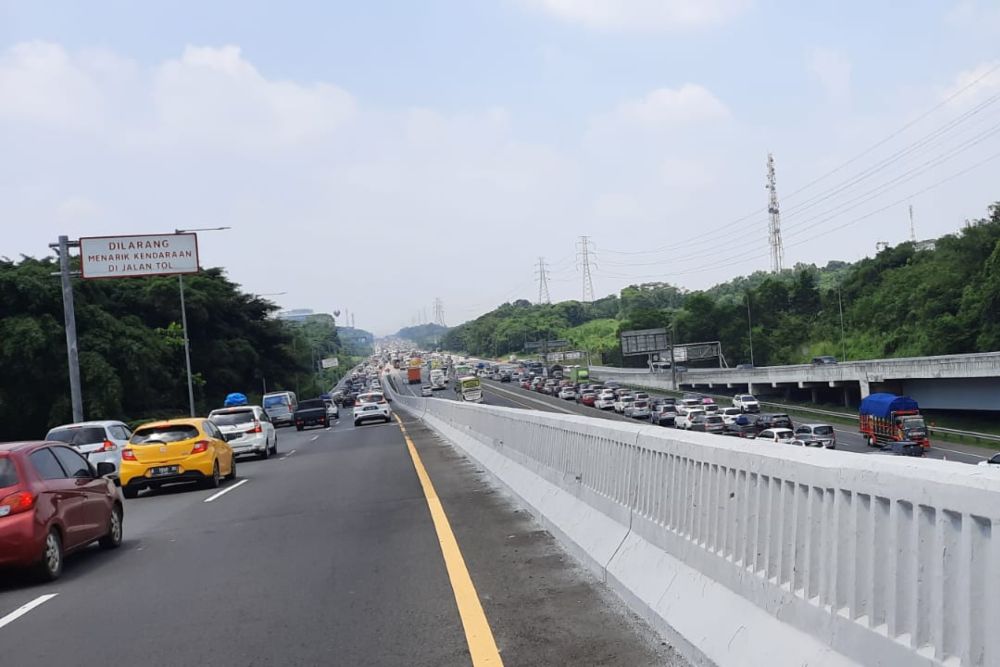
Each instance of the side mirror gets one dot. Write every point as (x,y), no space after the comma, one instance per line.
(104,469)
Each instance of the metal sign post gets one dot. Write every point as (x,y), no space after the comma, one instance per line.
(69,315)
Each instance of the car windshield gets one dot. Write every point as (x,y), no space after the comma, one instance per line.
(232,418)
(823,430)
(8,473)
(312,404)
(86,435)
(275,401)
(171,433)
(370,398)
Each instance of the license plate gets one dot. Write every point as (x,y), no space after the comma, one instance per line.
(163,470)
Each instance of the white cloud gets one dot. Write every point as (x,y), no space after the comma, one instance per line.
(833,71)
(40,83)
(973,85)
(213,96)
(642,15)
(671,108)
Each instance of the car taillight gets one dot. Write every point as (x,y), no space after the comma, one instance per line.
(109,446)
(18,502)
(256,428)
(199,447)
(128,455)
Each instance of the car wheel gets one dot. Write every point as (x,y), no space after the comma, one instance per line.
(274,447)
(232,468)
(113,539)
(130,491)
(357,423)
(264,454)
(51,565)
(213,481)
(299,428)
(388,419)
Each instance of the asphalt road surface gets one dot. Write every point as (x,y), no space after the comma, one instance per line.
(324,555)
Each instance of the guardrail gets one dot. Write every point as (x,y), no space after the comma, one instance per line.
(637,374)
(827,557)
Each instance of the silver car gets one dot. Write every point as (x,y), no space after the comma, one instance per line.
(817,435)
(98,441)
(248,430)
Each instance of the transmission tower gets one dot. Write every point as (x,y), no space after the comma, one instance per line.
(584,260)
(774,228)
(543,282)
(439,312)
(913,230)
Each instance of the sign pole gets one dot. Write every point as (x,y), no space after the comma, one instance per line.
(187,346)
(69,315)
(673,366)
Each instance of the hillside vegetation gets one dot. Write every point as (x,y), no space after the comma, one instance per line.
(904,301)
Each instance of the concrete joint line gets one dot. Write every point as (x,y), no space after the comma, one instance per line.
(631,505)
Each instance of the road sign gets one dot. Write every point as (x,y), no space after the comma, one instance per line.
(696,351)
(140,255)
(330,362)
(644,341)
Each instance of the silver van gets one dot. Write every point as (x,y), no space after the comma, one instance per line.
(280,406)
(817,435)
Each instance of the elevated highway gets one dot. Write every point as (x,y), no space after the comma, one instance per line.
(947,382)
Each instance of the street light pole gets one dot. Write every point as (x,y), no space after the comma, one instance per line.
(843,339)
(184,326)
(750,328)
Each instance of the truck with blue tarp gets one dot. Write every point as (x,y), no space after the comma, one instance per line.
(885,418)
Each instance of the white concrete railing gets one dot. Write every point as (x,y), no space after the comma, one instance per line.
(886,561)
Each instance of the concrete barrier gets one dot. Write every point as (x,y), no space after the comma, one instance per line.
(758,554)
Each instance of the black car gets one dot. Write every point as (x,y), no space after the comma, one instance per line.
(766,421)
(901,448)
(748,430)
(349,400)
(825,360)
(505,377)
(311,412)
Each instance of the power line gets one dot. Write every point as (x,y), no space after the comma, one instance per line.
(709,235)
(543,282)
(584,262)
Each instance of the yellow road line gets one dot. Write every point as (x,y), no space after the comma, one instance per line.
(478,635)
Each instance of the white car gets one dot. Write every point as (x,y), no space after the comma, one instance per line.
(249,427)
(684,421)
(729,415)
(622,402)
(686,404)
(427,391)
(605,400)
(332,411)
(746,403)
(990,462)
(638,409)
(567,393)
(784,436)
(371,407)
(98,441)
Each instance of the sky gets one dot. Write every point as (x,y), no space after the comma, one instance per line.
(372,157)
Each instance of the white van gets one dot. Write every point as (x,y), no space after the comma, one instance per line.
(280,406)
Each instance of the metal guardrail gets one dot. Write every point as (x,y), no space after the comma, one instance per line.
(976,436)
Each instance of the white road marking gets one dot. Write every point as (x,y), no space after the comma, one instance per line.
(315,437)
(226,490)
(25,608)
(287,455)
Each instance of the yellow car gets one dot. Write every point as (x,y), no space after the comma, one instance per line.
(178,450)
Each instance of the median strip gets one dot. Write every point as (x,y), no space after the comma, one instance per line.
(25,608)
(478,636)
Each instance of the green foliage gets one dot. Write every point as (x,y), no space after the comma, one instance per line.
(131,347)
(426,336)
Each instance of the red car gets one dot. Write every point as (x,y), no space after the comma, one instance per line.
(53,502)
(588,398)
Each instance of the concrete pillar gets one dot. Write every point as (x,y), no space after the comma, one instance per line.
(847,397)
(815,394)
(865,388)
(750,387)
